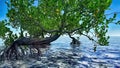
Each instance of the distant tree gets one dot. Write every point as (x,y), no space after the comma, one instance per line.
(54,18)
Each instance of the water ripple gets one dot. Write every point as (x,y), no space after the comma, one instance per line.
(62,55)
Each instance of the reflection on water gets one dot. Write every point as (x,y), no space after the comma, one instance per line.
(62,55)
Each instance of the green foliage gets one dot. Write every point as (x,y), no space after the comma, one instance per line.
(10,38)
(6,34)
(3,29)
(70,16)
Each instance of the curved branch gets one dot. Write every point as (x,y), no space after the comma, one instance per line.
(13,51)
(91,38)
(74,41)
(33,41)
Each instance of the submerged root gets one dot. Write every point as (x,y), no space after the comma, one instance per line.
(75,42)
(19,52)
(9,53)
(23,47)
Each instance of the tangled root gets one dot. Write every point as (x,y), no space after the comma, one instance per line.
(15,52)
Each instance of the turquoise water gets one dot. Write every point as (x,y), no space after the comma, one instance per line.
(62,55)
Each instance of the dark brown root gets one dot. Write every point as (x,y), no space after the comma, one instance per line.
(75,42)
(24,46)
(18,52)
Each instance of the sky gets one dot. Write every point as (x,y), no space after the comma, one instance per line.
(114,30)
(3,9)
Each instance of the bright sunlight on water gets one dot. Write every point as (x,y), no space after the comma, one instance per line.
(62,55)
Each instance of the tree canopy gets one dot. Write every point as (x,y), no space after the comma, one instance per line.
(47,17)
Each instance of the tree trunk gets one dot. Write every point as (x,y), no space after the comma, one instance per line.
(75,42)
(13,51)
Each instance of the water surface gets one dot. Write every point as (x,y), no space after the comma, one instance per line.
(62,55)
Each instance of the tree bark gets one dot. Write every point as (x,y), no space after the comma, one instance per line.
(74,41)
(13,51)
(34,41)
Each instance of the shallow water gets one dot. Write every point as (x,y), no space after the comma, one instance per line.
(62,55)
